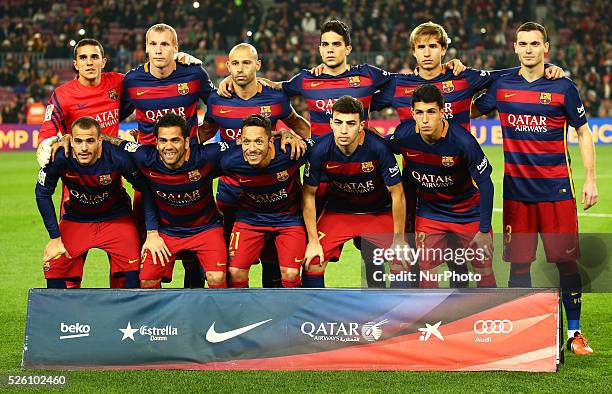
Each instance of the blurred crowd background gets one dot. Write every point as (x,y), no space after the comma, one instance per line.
(37,37)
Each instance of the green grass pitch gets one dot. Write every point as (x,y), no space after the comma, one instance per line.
(22,239)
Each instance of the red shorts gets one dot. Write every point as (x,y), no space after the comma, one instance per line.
(208,245)
(247,243)
(336,228)
(433,237)
(117,237)
(556,221)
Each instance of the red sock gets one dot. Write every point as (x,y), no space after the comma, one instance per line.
(487,280)
(73,285)
(117,282)
(222,285)
(155,286)
(297,282)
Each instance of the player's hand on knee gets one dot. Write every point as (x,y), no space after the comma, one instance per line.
(313,250)
(296,143)
(456,66)
(554,72)
(43,152)
(187,59)
(318,70)
(55,248)
(590,196)
(155,245)
(484,242)
(226,87)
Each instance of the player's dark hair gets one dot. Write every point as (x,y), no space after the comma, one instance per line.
(428,93)
(88,41)
(531,26)
(348,105)
(172,120)
(259,121)
(86,123)
(339,28)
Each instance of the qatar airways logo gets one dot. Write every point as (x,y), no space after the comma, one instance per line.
(432,181)
(231,134)
(107,118)
(154,115)
(355,187)
(532,123)
(179,198)
(448,111)
(269,198)
(89,199)
(325,105)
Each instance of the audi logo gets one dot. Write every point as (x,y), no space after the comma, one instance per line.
(493,326)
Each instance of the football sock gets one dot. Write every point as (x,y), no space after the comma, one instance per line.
(270,274)
(71,284)
(237,284)
(56,283)
(116,282)
(131,280)
(292,283)
(157,285)
(520,275)
(222,285)
(402,281)
(426,281)
(193,274)
(571,293)
(459,269)
(487,281)
(313,280)
(367,254)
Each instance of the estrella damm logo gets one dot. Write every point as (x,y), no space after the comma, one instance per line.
(265,110)
(367,166)
(448,161)
(448,87)
(354,81)
(183,88)
(545,98)
(113,94)
(105,179)
(282,176)
(194,175)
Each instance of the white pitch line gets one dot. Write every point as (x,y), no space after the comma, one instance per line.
(585,214)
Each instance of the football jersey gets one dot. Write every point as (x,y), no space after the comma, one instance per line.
(534,118)
(445,173)
(228,113)
(184,196)
(270,196)
(94,193)
(357,183)
(74,100)
(321,92)
(458,92)
(178,93)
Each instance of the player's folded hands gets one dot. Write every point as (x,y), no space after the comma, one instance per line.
(155,245)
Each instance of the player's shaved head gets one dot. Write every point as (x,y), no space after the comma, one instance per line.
(242,48)
(161,27)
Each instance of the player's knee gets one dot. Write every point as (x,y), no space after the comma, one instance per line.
(215,278)
(238,274)
(316,268)
(150,284)
(290,274)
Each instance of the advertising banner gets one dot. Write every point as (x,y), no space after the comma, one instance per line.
(293,329)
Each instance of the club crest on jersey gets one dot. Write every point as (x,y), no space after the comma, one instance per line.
(105,179)
(448,87)
(448,161)
(282,176)
(265,110)
(367,166)
(354,81)
(194,175)
(113,94)
(183,88)
(545,98)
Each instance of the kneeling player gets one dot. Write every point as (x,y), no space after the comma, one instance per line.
(454,189)
(97,210)
(268,205)
(181,176)
(365,198)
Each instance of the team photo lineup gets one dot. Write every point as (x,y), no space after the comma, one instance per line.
(290,191)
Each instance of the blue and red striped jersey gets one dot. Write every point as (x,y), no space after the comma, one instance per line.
(184,197)
(228,113)
(446,174)
(320,93)
(95,192)
(357,183)
(270,196)
(458,92)
(178,93)
(534,118)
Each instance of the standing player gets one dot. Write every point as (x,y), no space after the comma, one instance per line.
(452,177)
(365,187)
(226,115)
(181,177)
(539,192)
(269,204)
(162,86)
(97,209)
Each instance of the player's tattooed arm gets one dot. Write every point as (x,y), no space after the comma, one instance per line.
(207,131)
(296,143)
(113,140)
(590,195)
(63,142)
(297,123)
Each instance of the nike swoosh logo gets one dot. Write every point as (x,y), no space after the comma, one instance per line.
(213,336)
(330,167)
(132,261)
(244,180)
(220,264)
(224,111)
(71,176)
(141,93)
(408,91)
(570,251)
(315,84)
(409,155)
(509,95)
(153,175)
(298,260)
